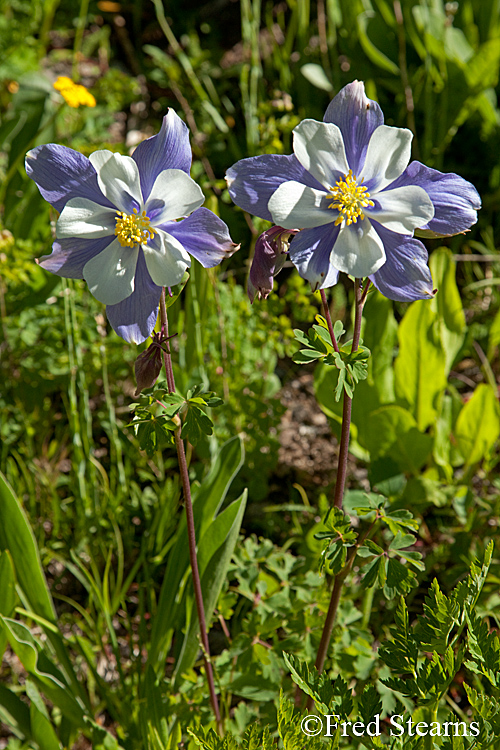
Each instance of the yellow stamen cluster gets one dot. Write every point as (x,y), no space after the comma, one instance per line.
(349,199)
(132,229)
(73,93)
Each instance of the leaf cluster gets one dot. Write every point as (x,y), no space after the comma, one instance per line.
(352,366)
(384,563)
(157,416)
(428,655)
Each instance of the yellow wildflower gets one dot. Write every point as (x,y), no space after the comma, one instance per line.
(73,93)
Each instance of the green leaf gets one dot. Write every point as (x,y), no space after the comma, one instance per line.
(46,675)
(17,537)
(8,596)
(397,520)
(478,425)
(380,334)
(41,728)
(174,292)
(289,728)
(420,367)
(400,654)
(14,712)
(196,424)
(373,548)
(400,579)
(401,541)
(482,70)
(369,704)
(371,571)
(484,648)
(301,336)
(316,75)
(304,356)
(391,431)
(441,615)
(447,304)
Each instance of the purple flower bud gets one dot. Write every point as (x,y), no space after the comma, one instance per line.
(148,365)
(270,255)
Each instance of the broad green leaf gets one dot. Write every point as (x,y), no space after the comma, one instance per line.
(379,335)
(391,431)
(196,424)
(46,675)
(8,596)
(478,425)
(41,727)
(494,336)
(215,550)
(14,712)
(420,367)
(206,502)
(447,304)
(17,537)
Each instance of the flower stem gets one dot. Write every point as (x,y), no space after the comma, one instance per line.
(359,298)
(186,487)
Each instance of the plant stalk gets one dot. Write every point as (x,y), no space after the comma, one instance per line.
(186,487)
(359,298)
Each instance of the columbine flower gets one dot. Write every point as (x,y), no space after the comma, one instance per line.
(117,227)
(73,93)
(358,203)
(269,258)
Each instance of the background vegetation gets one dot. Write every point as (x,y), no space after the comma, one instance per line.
(106,516)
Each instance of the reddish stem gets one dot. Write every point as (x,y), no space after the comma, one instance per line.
(359,298)
(181,455)
(326,310)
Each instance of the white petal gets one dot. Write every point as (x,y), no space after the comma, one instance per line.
(358,251)
(387,156)
(403,209)
(118,178)
(166,259)
(82,217)
(180,194)
(110,275)
(296,206)
(319,147)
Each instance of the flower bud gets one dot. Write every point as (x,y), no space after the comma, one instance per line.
(270,255)
(148,366)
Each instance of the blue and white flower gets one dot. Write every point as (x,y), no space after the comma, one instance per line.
(349,187)
(118,225)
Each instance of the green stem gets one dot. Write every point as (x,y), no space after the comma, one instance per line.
(80,28)
(186,487)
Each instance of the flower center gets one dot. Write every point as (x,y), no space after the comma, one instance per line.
(132,229)
(349,199)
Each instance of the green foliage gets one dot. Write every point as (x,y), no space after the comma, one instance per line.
(340,536)
(96,603)
(352,366)
(154,417)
